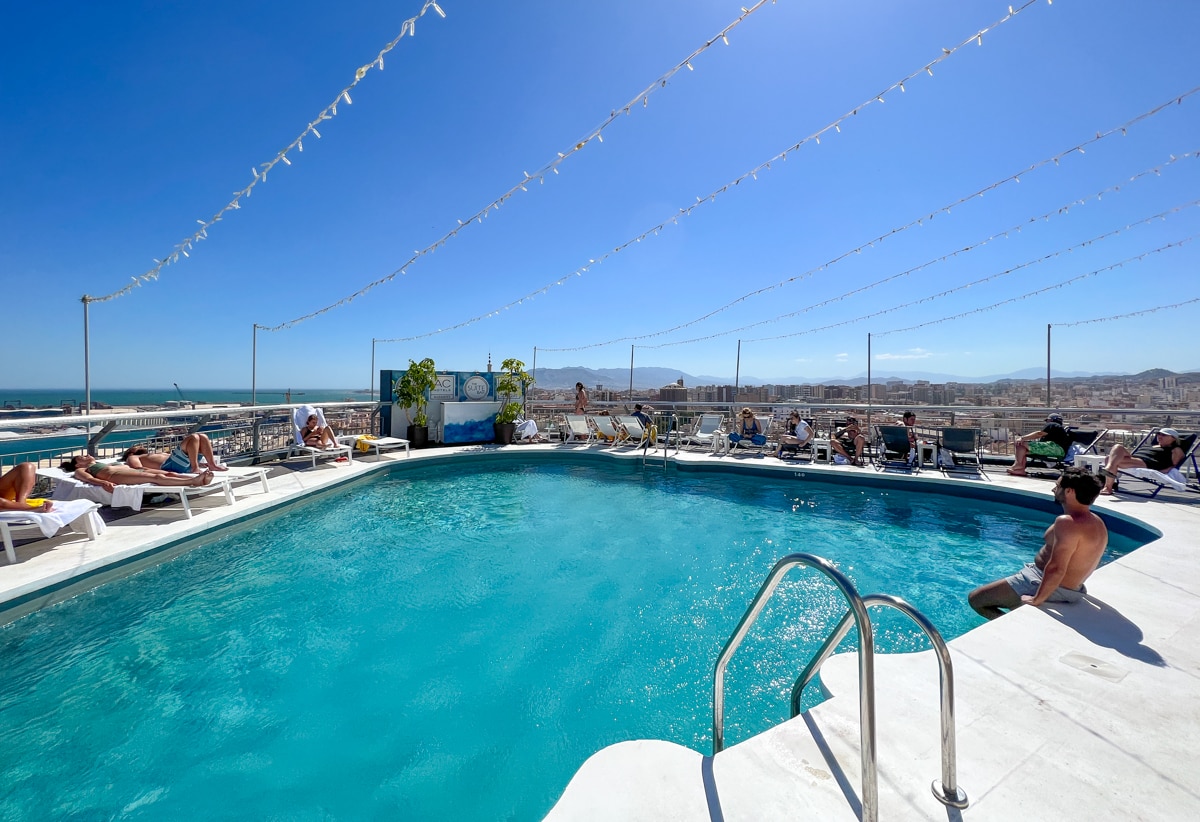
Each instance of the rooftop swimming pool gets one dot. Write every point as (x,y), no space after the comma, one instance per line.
(453,641)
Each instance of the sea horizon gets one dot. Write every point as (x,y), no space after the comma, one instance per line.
(126,397)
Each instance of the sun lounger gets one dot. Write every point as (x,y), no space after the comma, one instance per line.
(632,431)
(576,429)
(964,449)
(895,451)
(703,430)
(1174,478)
(66,487)
(604,428)
(81,513)
(376,444)
(299,420)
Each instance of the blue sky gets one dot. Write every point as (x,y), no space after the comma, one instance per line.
(125,123)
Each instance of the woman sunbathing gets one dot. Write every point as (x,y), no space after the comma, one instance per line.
(86,469)
(317,436)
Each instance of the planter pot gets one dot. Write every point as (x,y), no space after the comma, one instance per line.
(505,431)
(418,436)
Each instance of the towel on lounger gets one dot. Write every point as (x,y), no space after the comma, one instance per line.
(64,513)
(1172,479)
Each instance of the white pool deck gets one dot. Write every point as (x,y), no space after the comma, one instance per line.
(1078,711)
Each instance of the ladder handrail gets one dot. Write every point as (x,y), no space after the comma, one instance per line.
(947,790)
(866,666)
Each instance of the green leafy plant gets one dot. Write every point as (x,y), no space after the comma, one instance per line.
(511,383)
(411,389)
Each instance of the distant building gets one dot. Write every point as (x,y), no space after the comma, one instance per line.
(673,393)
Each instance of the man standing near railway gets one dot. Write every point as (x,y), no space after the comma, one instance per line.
(1074,544)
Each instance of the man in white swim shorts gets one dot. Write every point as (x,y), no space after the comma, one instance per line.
(1074,545)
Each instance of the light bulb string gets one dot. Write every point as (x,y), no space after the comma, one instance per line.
(1141,313)
(1040,291)
(944,293)
(835,126)
(539,175)
(259,172)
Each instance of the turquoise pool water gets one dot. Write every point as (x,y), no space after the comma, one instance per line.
(452,644)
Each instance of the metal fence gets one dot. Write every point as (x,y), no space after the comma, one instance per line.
(248,434)
(238,434)
(999,427)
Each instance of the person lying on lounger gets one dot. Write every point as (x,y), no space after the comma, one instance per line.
(183,459)
(317,436)
(1164,455)
(15,488)
(86,469)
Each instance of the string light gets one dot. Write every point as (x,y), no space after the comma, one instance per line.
(259,172)
(929,298)
(539,175)
(682,212)
(920,221)
(1062,210)
(1039,291)
(1144,311)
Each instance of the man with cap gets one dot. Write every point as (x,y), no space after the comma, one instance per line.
(1164,454)
(1051,443)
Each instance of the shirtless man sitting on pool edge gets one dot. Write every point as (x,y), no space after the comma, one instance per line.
(1074,544)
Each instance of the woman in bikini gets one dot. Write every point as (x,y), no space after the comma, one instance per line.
(316,436)
(86,469)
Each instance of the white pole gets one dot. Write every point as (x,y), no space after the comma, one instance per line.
(737,373)
(371,383)
(868,386)
(254,366)
(631,373)
(87,360)
(1049,407)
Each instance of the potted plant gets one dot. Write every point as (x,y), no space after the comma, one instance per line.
(411,390)
(511,382)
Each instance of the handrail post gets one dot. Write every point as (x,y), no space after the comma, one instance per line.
(866,667)
(946,790)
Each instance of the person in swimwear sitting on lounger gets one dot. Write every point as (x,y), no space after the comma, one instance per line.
(1074,544)
(86,469)
(183,459)
(316,436)
(15,488)
(1162,456)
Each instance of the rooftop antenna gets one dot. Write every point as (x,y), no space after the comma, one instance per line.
(489,362)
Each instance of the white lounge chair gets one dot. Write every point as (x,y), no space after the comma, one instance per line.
(376,444)
(66,487)
(299,420)
(703,430)
(634,433)
(577,429)
(65,515)
(605,428)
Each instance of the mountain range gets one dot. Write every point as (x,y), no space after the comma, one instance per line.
(644,378)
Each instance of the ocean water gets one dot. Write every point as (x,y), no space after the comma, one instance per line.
(452,643)
(120,397)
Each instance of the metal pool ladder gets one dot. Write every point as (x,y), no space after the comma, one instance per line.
(946,789)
